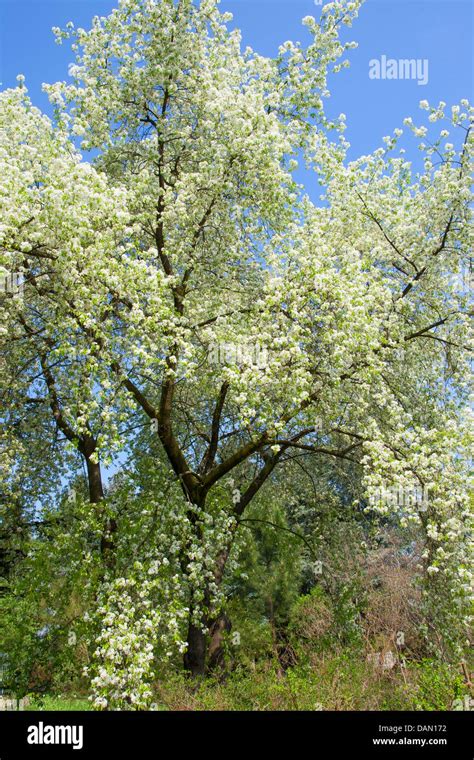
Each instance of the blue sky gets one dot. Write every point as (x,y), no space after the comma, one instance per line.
(441,31)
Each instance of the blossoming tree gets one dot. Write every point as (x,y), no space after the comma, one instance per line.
(186,276)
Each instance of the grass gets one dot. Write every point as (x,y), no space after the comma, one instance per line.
(59,703)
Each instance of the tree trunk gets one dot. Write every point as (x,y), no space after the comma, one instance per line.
(94,477)
(215,653)
(194,659)
(195,656)
(221,624)
(205,652)
(96,495)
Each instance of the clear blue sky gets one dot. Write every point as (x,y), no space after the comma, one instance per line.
(441,31)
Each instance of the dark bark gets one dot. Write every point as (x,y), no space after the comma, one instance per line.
(195,657)
(205,652)
(216,655)
(96,495)
(94,477)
